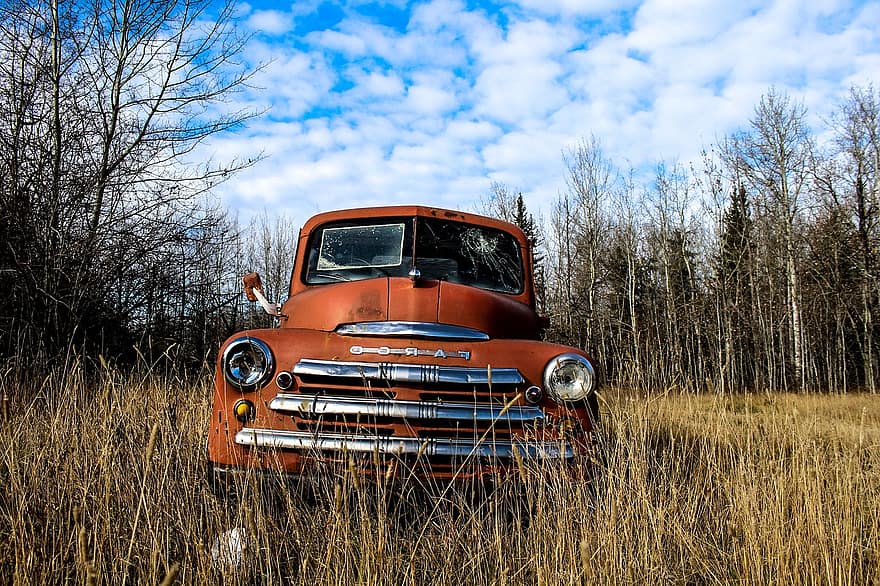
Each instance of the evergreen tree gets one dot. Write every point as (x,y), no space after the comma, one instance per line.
(733,282)
(526,223)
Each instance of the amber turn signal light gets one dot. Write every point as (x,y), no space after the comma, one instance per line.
(244,410)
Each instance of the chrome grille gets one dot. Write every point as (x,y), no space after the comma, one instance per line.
(327,405)
(407,373)
(435,411)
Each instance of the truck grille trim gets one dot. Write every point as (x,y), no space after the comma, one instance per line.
(401,446)
(408,373)
(411,329)
(326,405)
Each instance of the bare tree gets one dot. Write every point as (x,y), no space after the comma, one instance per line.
(857,129)
(499,203)
(671,208)
(104,103)
(592,181)
(773,158)
(270,248)
(561,263)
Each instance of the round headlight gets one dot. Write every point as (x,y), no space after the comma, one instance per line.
(247,363)
(569,377)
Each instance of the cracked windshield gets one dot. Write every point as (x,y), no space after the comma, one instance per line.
(448,251)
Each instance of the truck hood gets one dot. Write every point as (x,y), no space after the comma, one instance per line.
(326,307)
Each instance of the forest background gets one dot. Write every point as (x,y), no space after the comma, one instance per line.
(752,269)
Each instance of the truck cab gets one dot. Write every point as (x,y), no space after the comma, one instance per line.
(409,342)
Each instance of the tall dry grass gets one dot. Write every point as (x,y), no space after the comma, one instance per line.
(104,483)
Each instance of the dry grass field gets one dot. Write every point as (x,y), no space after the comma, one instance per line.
(104,483)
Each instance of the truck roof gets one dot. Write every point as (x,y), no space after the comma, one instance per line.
(410,210)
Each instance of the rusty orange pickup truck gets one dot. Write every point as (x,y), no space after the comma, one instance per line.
(409,342)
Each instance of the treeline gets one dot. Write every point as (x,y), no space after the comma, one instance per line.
(754,269)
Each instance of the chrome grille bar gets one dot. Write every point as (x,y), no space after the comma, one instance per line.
(292,440)
(327,405)
(408,373)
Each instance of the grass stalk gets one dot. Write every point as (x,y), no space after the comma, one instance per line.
(708,489)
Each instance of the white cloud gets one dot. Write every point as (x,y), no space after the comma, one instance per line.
(292,84)
(472,131)
(530,40)
(429,100)
(576,7)
(380,41)
(607,73)
(271,22)
(348,44)
(667,23)
(433,111)
(432,17)
(374,84)
(523,157)
(514,93)
(520,79)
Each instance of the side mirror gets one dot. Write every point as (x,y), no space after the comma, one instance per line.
(252,281)
(253,290)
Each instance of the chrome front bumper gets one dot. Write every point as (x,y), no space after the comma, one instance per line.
(430,447)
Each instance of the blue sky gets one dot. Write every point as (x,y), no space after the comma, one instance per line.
(371,103)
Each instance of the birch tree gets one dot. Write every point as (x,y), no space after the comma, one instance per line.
(857,129)
(773,157)
(591,181)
